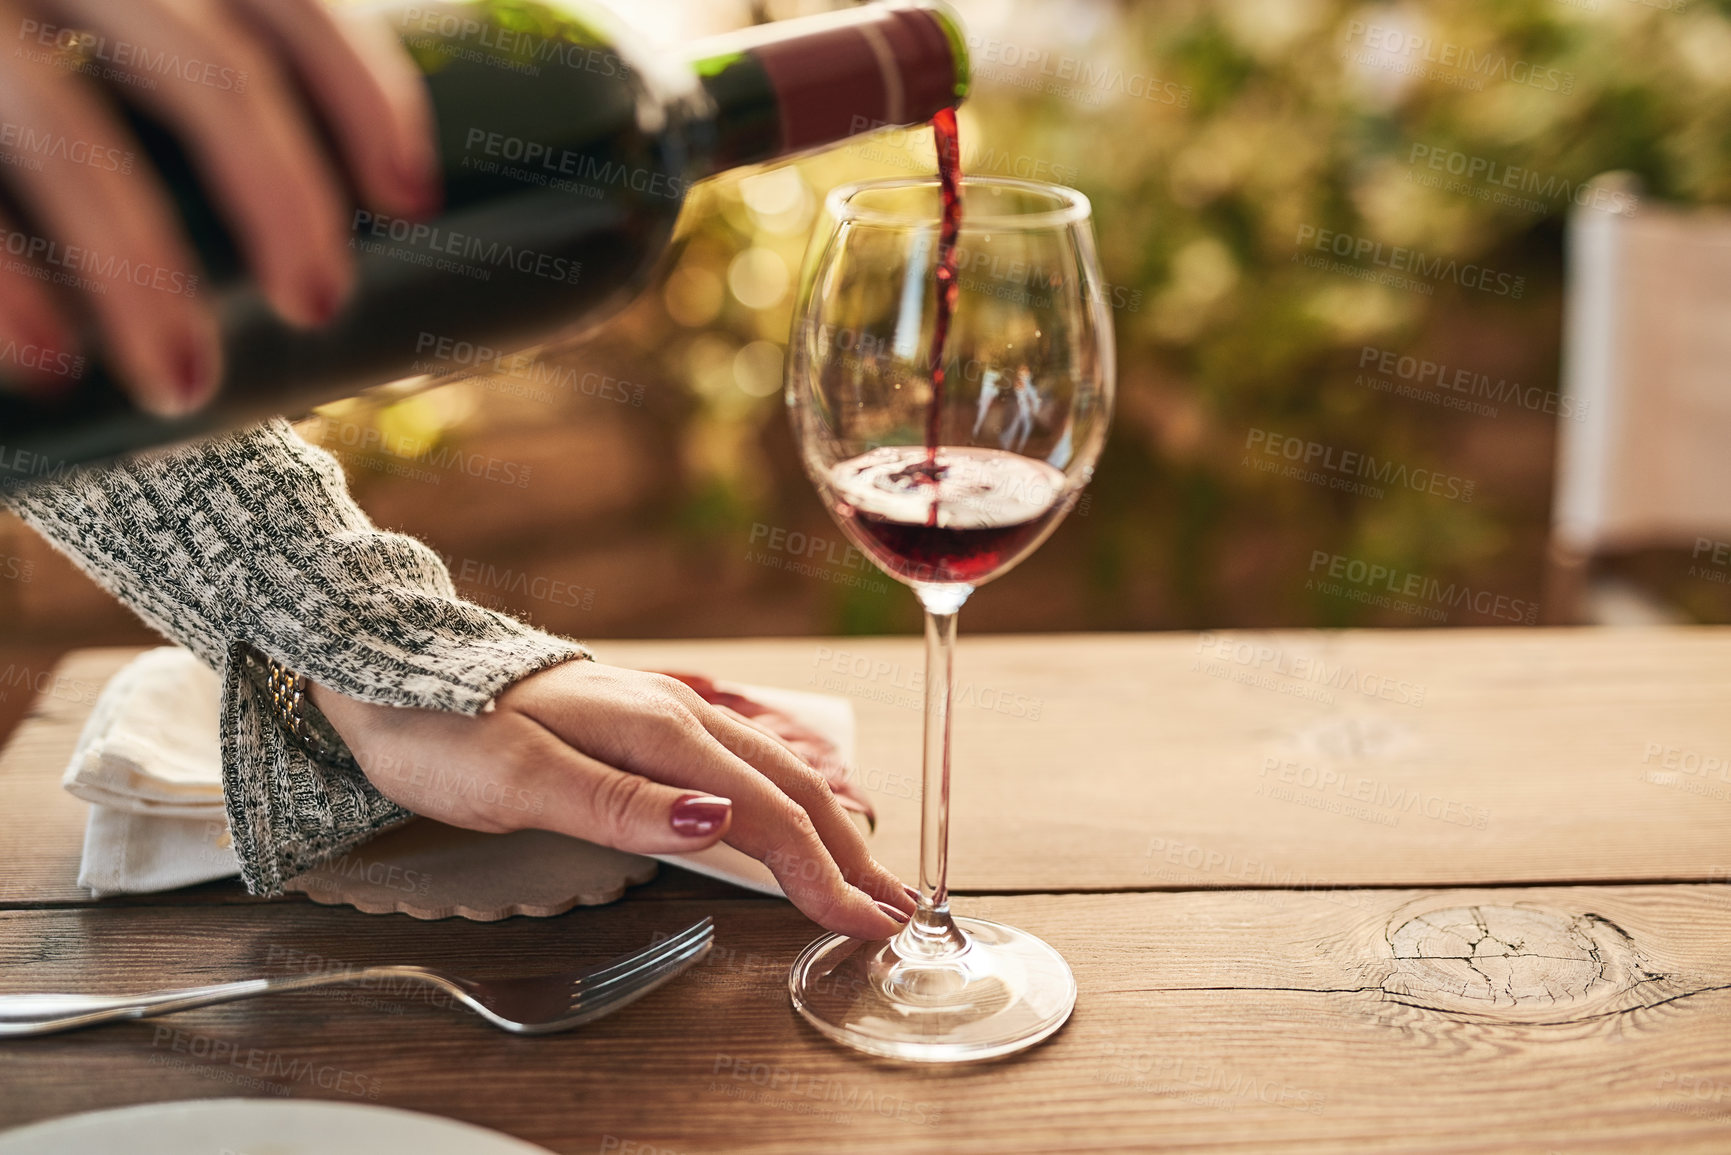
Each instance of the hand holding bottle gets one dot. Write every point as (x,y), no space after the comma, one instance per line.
(249,87)
(515,170)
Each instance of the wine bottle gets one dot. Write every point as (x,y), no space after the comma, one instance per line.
(566,150)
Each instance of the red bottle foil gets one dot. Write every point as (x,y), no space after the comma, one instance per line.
(876,66)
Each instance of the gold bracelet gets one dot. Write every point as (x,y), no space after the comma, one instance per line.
(289,700)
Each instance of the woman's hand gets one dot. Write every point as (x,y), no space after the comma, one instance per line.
(816,750)
(233,79)
(631,760)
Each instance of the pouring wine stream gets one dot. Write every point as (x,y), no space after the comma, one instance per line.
(931,933)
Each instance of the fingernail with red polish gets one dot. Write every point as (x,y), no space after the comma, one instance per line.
(193,376)
(901,916)
(422,189)
(912,893)
(323,300)
(700,815)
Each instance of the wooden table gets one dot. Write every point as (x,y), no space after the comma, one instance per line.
(1430,891)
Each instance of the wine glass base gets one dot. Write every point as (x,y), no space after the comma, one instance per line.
(1006,991)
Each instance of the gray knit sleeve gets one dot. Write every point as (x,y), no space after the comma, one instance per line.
(252,542)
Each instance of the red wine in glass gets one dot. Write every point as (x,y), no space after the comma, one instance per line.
(946,515)
(973,516)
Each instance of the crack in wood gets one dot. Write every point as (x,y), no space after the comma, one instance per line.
(1463,958)
(1484,963)
(1397,1000)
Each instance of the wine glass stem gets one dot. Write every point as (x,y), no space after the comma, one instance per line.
(931,932)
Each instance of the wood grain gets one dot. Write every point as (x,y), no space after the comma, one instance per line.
(1104,762)
(1218,1021)
(42,831)
(1245,1001)
(1111,762)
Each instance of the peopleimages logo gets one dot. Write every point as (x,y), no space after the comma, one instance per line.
(1259,657)
(39,357)
(1399,259)
(1068,76)
(30,146)
(1718,560)
(444,31)
(1494,177)
(475,574)
(800,1089)
(256,1065)
(390,875)
(1156,1070)
(1384,795)
(1427,592)
(45,683)
(125,61)
(1229,866)
(372,230)
(1422,55)
(541,160)
(1359,467)
(450,356)
(1455,387)
(403,451)
(87,268)
(23,463)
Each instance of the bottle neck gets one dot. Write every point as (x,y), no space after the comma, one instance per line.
(793,86)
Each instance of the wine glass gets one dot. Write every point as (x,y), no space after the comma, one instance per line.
(947,480)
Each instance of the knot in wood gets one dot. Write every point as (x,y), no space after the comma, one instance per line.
(1502,959)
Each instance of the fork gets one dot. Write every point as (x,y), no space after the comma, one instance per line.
(535,1005)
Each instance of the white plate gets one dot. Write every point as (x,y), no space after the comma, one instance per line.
(259,1127)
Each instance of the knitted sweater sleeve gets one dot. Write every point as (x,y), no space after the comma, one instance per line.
(252,542)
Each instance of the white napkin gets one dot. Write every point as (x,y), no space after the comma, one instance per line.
(149,745)
(149,763)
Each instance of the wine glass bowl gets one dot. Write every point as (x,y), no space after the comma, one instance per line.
(1027,372)
(948,443)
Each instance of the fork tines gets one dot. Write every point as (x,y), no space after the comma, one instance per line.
(627,971)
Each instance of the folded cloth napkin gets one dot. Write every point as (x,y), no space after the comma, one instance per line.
(148,761)
(149,746)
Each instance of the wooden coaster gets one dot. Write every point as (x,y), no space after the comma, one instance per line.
(426,869)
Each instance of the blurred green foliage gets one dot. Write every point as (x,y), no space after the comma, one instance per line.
(1218,140)
(1213,137)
